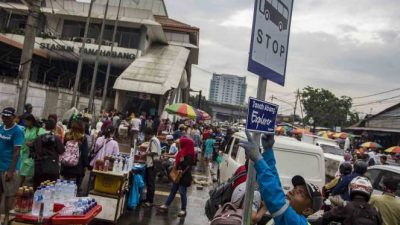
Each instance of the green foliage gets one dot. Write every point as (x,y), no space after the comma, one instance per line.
(326,109)
(204,105)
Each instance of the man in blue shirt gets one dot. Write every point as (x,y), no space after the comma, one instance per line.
(303,200)
(11,140)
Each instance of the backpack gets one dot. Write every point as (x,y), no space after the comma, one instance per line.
(220,195)
(229,214)
(364,214)
(71,155)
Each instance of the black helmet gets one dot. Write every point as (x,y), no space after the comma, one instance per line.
(360,167)
(345,168)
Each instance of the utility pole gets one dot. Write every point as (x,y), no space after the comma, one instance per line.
(103,99)
(96,64)
(81,56)
(295,106)
(199,102)
(27,51)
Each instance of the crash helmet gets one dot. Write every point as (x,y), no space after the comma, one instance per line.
(345,168)
(360,186)
(360,167)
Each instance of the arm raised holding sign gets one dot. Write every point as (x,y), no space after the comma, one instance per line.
(303,200)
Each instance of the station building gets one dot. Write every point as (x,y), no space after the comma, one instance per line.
(150,62)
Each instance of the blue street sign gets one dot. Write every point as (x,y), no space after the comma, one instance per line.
(261,116)
(270,39)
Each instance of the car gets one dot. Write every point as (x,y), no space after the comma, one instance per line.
(377,173)
(333,159)
(293,157)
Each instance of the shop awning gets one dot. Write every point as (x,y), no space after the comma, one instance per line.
(373,129)
(161,69)
(6,40)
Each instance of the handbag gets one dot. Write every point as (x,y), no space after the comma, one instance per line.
(175,175)
(49,165)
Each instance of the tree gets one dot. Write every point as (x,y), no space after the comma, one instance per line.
(326,109)
(204,105)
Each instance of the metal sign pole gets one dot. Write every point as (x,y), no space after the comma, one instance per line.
(251,173)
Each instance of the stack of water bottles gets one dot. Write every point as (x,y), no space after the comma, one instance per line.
(59,192)
(80,206)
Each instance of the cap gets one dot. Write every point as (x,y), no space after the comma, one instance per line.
(169,137)
(8,111)
(313,192)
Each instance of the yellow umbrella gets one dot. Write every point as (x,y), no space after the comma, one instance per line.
(394,149)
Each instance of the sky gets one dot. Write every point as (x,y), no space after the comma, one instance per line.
(350,47)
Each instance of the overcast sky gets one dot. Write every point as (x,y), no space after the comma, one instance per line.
(350,47)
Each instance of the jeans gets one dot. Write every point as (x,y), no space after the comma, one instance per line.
(182,192)
(150,183)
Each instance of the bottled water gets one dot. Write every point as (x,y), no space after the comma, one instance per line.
(115,166)
(74,189)
(48,203)
(37,200)
(120,166)
(58,191)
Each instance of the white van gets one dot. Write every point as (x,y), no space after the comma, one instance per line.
(293,157)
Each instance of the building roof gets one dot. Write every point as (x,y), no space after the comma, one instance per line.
(171,24)
(162,68)
(384,111)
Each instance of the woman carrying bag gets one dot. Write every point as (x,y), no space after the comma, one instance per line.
(105,145)
(183,166)
(32,131)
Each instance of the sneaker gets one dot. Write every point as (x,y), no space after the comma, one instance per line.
(182,213)
(163,208)
(148,204)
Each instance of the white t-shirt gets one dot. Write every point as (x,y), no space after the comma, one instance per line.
(154,147)
(239,193)
(136,124)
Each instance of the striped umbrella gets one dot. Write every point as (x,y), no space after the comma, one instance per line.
(371,144)
(341,135)
(182,109)
(203,115)
(394,149)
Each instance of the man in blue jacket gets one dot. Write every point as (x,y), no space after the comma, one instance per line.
(303,200)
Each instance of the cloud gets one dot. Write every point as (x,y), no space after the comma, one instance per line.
(348,47)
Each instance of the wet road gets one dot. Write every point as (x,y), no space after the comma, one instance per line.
(195,208)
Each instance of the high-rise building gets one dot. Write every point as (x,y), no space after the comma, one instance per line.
(228,89)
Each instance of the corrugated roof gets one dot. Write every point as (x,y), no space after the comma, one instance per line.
(156,72)
(168,23)
(373,129)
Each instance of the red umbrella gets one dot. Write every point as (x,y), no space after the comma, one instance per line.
(203,115)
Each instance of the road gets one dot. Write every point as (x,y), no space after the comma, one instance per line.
(151,216)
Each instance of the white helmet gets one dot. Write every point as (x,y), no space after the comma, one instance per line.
(360,186)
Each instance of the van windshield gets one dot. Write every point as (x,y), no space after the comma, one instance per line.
(332,149)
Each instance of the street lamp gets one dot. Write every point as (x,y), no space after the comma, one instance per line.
(199,101)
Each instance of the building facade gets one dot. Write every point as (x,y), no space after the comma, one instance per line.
(228,89)
(150,61)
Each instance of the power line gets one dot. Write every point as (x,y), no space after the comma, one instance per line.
(377,101)
(372,95)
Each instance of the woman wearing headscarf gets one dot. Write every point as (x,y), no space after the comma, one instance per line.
(32,131)
(184,161)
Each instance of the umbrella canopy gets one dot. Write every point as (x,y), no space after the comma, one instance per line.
(300,131)
(202,115)
(394,149)
(371,145)
(341,135)
(183,110)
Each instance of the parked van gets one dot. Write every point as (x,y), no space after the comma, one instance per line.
(293,157)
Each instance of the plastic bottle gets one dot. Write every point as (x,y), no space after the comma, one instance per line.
(74,189)
(57,191)
(120,166)
(18,199)
(106,165)
(30,204)
(115,166)
(37,199)
(48,205)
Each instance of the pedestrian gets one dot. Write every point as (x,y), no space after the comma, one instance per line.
(169,157)
(209,150)
(357,211)
(359,168)
(345,168)
(196,136)
(152,154)
(116,119)
(303,200)
(179,132)
(149,122)
(60,130)
(76,136)
(105,145)
(383,160)
(184,162)
(135,128)
(11,141)
(387,203)
(31,132)
(371,158)
(46,152)
(28,111)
